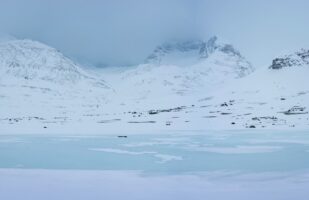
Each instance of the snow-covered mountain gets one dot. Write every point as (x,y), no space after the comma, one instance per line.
(31,60)
(272,97)
(190,85)
(38,82)
(182,68)
(193,52)
(264,99)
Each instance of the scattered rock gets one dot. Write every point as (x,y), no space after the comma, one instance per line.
(141,122)
(212,116)
(296,110)
(224,104)
(256,119)
(224,113)
(168,123)
(153,112)
(205,106)
(177,109)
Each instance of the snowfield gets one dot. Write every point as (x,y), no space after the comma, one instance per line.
(213,88)
(93,185)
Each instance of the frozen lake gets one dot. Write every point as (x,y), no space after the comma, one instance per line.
(172,153)
(243,163)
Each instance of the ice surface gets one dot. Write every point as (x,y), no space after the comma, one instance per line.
(250,151)
(240,149)
(116,185)
(213,165)
(122,151)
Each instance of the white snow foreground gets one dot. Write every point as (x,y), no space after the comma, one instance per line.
(191,85)
(93,185)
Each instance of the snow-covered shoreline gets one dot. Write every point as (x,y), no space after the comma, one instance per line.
(124,129)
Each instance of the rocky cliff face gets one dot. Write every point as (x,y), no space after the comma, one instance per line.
(198,49)
(300,58)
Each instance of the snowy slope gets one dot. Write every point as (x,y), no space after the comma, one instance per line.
(218,90)
(33,60)
(38,82)
(265,99)
(181,69)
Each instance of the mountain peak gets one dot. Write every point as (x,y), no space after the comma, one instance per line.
(32,60)
(193,49)
(214,44)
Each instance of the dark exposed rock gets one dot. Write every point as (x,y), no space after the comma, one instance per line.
(297,59)
(168,123)
(296,110)
(173,46)
(212,45)
(211,116)
(224,113)
(201,49)
(142,122)
(153,112)
(224,104)
(272,118)
(177,109)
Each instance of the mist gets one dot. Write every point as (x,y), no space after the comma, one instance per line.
(124,32)
(260,29)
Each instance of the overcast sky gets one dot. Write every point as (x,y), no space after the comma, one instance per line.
(124,32)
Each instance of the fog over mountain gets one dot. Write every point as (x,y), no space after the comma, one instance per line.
(122,32)
(154,99)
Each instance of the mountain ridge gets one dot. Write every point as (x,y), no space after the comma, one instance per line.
(33,60)
(203,49)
